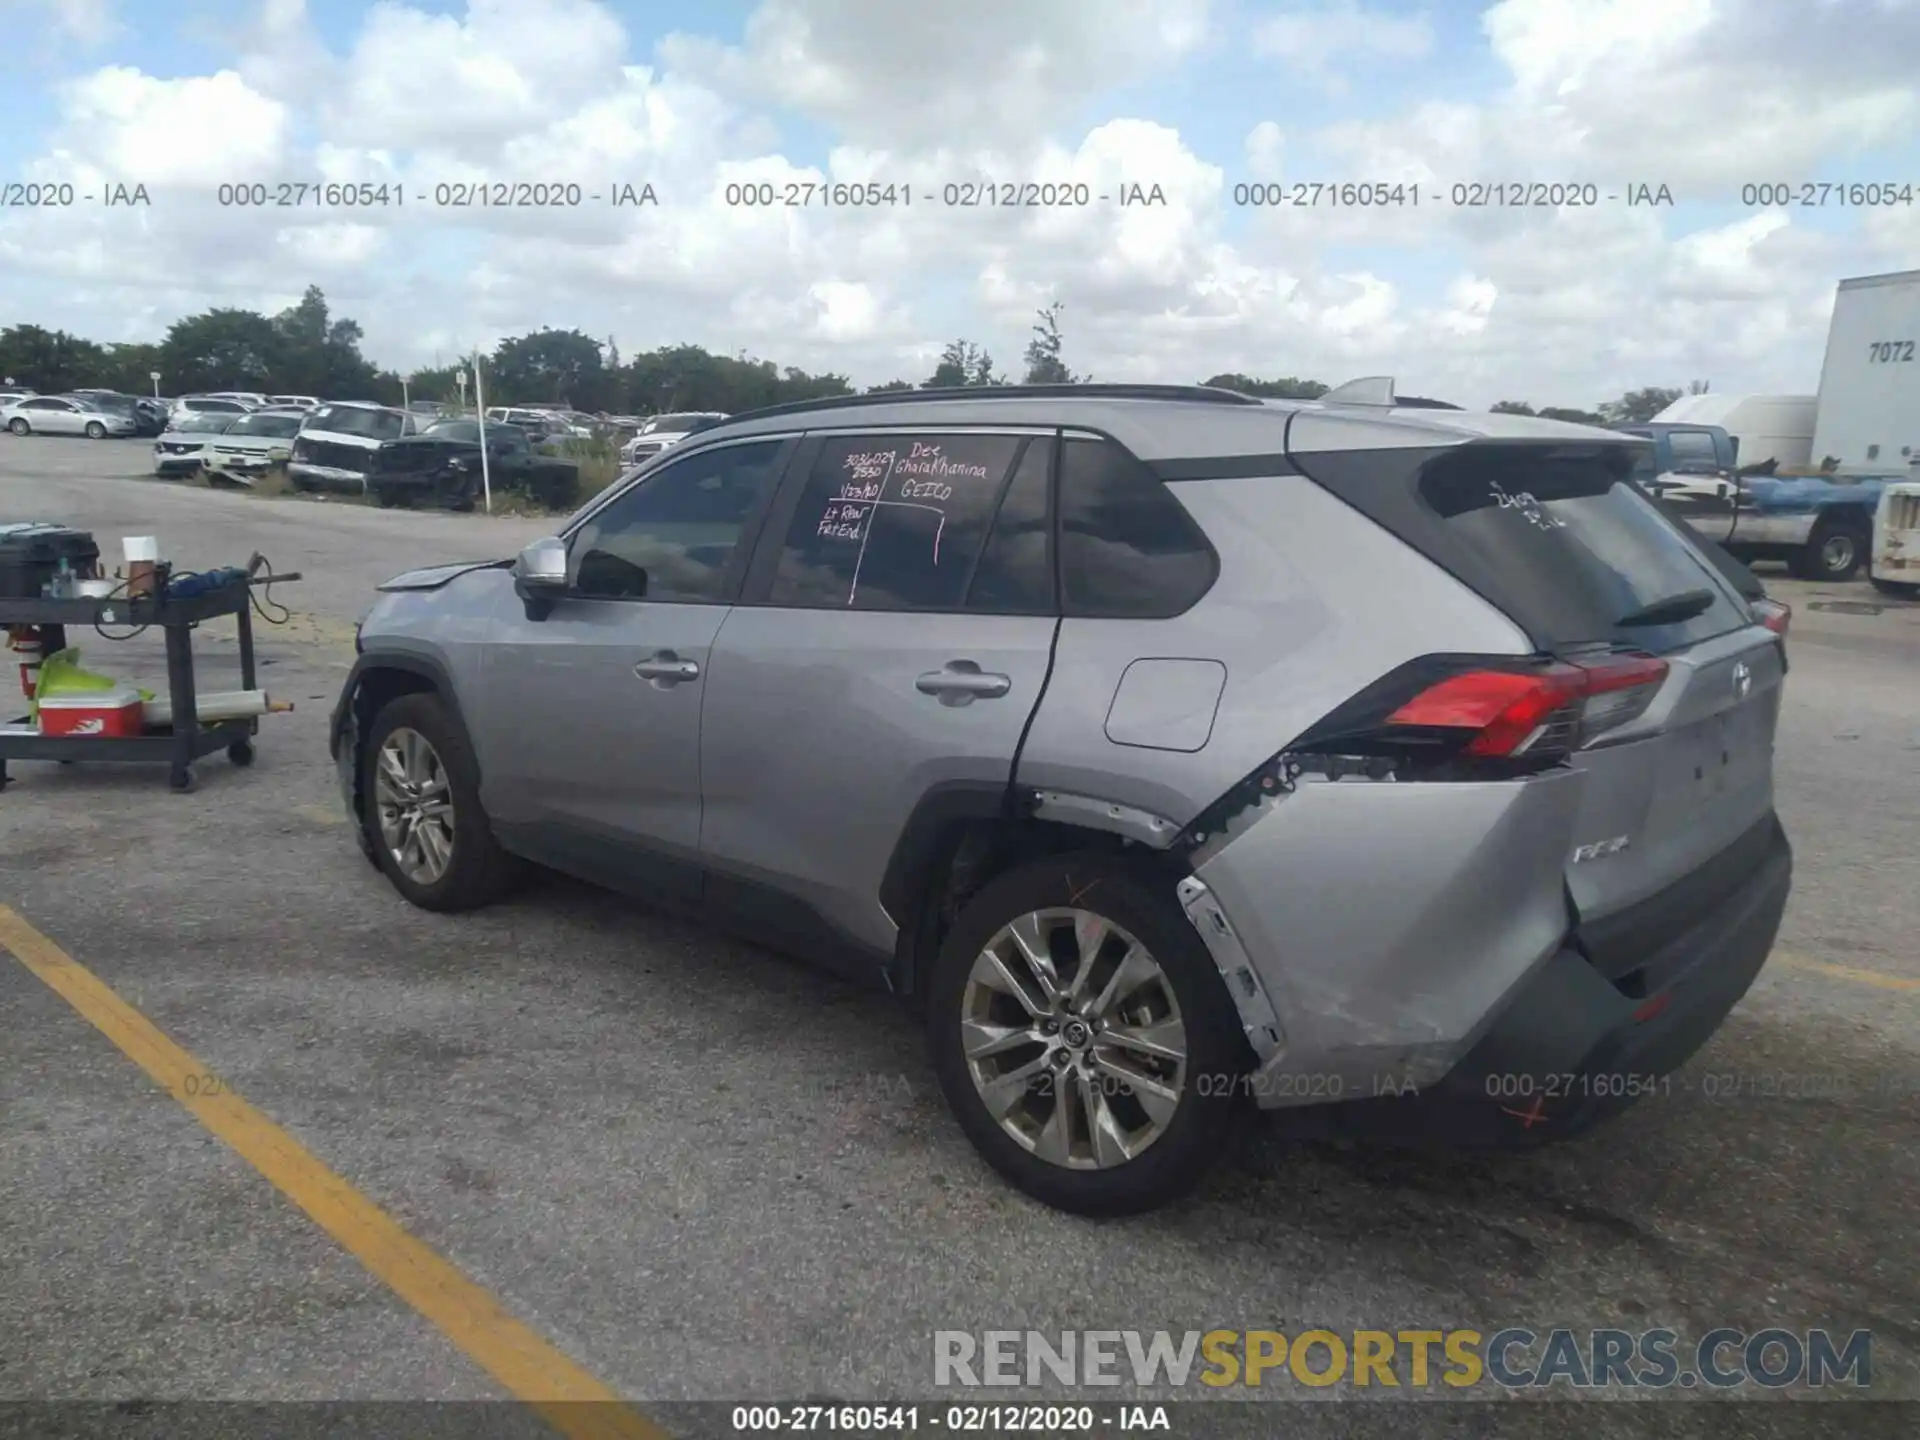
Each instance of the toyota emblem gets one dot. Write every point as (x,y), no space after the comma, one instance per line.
(1742,680)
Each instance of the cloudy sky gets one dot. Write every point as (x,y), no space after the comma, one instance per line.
(1207,100)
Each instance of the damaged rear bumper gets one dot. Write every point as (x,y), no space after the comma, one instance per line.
(1572,1049)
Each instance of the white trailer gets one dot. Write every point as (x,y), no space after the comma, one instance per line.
(1869,413)
(1767,427)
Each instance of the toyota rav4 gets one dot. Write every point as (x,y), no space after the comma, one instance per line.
(1168,748)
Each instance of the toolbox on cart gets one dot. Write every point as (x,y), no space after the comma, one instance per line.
(30,556)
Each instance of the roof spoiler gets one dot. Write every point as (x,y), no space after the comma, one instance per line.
(1377,392)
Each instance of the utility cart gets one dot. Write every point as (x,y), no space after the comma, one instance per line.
(187,739)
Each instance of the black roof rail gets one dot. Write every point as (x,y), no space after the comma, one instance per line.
(1206,394)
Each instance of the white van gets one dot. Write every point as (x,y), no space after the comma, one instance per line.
(1767,427)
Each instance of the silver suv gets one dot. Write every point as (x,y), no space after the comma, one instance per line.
(1170,748)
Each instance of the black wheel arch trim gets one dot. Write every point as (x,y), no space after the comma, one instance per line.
(349,711)
(917,856)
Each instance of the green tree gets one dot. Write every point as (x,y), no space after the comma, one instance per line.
(1572,417)
(1636,407)
(1513,407)
(1287,389)
(889,387)
(548,367)
(1044,363)
(962,364)
(224,349)
(48,360)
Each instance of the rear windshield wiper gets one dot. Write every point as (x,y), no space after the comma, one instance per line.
(1672,610)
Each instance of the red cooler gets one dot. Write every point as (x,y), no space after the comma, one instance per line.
(115,712)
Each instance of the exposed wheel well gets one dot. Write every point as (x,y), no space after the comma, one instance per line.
(965,854)
(377,688)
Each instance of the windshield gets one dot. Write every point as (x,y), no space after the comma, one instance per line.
(275,425)
(353,420)
(204,423)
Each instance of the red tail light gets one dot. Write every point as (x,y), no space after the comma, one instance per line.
(1457,708)
(1776,615)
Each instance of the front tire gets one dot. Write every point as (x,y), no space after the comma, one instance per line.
(1834,553)
(19,426)
(422,813)
(1083,1037)
(96,431)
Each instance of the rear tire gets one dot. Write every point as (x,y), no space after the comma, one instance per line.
(472,869)
(1899,589)
(1110,1154)
(1834,553)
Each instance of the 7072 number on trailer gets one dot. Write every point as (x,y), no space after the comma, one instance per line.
(1887,352)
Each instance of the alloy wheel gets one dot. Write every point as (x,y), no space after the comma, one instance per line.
(413,800)
(1073,1038)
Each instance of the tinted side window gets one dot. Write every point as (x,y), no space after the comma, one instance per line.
(1127,548)
(1015,575)
(674,537)
(892,522)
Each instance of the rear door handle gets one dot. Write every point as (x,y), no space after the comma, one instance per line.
(962,682)
(667,668)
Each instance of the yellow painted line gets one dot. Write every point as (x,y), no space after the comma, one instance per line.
(1878,978)
(527,1367)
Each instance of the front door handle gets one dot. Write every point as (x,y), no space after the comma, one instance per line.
(666,669)
(962,682)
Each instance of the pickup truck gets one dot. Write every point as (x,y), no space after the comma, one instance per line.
(441,466)
(1822,526)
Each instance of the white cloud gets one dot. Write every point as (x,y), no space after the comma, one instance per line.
(1319,44)
(85,22)
(1557,307)
(986,73)
(202,130)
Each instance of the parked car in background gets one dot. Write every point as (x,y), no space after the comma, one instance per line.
(11,393)
(205,405)
(522,415)
(148,418)
(441,466)
(252,399)
(336,445)
(430,410)
(182,447)
(663,431)
(295,402)
(1821,526)
(254,443)
(68,415)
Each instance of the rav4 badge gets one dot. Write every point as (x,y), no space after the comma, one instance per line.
(1600,849)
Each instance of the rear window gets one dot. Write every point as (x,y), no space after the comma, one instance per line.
(1561,541)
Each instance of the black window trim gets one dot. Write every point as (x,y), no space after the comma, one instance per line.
(744,549)
(779,519)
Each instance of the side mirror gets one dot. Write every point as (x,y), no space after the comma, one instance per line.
(540,576)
